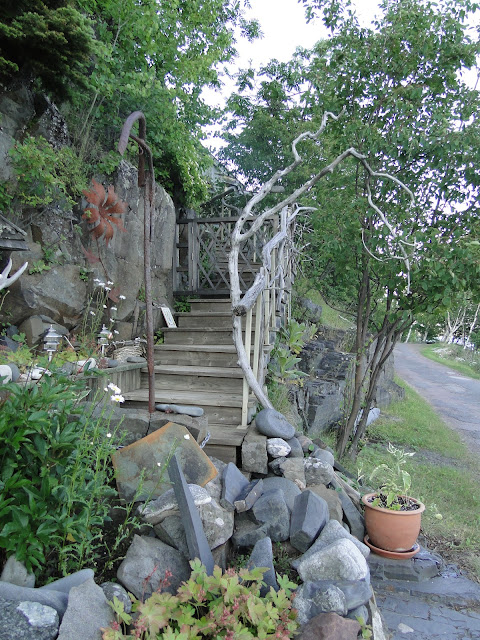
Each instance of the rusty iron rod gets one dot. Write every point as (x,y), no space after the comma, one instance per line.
(149,200)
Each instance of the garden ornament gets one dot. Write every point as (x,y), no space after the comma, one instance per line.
(6,281)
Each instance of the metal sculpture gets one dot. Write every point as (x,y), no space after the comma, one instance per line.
(6,281)
(149,184)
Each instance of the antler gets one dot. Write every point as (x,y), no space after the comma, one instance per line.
(5,281)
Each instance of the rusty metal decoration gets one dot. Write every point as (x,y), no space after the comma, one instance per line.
(149,184)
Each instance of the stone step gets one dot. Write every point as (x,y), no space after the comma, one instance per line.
(185,354)
(193,335)
(196,378)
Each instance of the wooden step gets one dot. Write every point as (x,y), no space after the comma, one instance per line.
(220,408)
(201,319)
(210,304)
(220,355)
(198,336)
(196,378)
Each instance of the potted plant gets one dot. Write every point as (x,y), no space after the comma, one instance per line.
(392,517)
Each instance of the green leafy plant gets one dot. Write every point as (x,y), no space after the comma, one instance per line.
(55,474)
(297,334)
(39,266)
(282,366)
(394,481)
(45,174)
(182,305)
(225,605)
(83,274)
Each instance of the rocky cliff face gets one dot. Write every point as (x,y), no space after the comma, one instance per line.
(62,290)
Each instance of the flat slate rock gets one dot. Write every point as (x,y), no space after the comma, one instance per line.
(262,556)
(234,482)
(142,464)
(310,514)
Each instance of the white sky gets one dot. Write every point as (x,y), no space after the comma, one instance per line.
(284,29)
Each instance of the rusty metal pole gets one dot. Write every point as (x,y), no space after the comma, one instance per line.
(149,201)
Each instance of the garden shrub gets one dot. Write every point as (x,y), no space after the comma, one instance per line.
(225,605)
(55,474)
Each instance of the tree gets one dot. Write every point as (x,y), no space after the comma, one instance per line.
(408,110)
(50,41)
(157,56)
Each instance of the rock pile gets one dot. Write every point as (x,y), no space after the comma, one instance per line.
(289,495)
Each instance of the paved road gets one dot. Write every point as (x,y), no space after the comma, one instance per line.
(455,397)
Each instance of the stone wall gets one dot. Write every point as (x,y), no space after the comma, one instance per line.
(321,400)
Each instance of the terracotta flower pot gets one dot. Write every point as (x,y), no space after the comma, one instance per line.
(392,530)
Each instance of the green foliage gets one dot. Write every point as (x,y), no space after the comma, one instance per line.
(182,305)
(83,274)
(44,174)
(394,480)
(39,266)
(225,605)
(54,474)
(50,41)
(283,366)
(297,334)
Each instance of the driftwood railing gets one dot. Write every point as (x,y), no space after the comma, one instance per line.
(263,270)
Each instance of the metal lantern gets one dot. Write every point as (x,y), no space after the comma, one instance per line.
(51,342)
(103,338)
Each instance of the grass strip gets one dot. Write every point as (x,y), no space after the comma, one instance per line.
(455,357)
(445,476)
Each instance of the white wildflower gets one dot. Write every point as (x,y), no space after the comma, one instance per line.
(92,313)
(187,437)
(107,288)
(122,297)
(109,435)
(114,309)
(104,306)
(116,332)
(117,398)
(109,282)
(114,388)
(159,464)
(96,280)
(101,284)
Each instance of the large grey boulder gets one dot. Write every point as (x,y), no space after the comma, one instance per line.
(317,471)
(340,560)
(273,424)
(293,469)
(215,486)
(254,452)
(172,532)
(330,533)
(278,447)
(313,598)
(27,621)
(143,570)
(87,613)
(288,488)
(331,498)
(309,516)
(271,511)
(217,523)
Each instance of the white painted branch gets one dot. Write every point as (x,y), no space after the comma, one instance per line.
(6,281)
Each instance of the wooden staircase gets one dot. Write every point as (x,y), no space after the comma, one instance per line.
(197,365)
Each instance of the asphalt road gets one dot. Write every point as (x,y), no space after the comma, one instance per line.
(454,397)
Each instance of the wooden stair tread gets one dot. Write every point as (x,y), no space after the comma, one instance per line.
(229,435)
(193,370)
(203,398)
(208,348)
